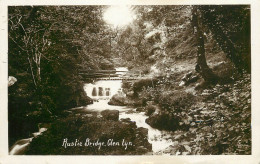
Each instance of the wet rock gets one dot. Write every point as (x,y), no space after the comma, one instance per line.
(110,114)
(119,100)
(44,125)
(142,131)
(127,121)
(163,121)
(139,109)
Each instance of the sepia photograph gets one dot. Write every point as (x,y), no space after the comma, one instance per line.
(129,80)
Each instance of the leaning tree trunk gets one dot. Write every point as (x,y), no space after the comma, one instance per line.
(225,43)
(201,67)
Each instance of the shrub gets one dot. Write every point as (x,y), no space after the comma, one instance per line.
(143,83)
(150,109)
(176,100)
(163,121)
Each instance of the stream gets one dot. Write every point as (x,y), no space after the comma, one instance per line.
(101,91)
(105,89)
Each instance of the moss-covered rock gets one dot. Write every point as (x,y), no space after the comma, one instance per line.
(163,121)
(110,114)
(119,100)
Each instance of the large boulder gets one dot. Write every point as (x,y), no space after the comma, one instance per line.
(163,121)
(110,114)
(119,100)
(84,100)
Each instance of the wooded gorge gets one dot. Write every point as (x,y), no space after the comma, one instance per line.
(194,65)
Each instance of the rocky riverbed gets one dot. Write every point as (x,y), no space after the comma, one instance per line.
(92,133)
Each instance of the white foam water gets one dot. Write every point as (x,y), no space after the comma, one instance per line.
(20,146)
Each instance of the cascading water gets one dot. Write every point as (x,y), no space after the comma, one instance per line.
(157,138)
(101,91)
(20,146)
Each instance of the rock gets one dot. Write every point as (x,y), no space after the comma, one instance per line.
(125,119)
(11,80)
(141,150)
(84,100)
(119,100)
(150,109)
(139,109)
(128,121)
(188,79)
(143,131)
(182,83)
(163,121)
(186,76)
(167,151)
(130,94)
(44,125)
(88,115)
(110,114)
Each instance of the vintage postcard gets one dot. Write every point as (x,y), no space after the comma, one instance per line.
(129,82)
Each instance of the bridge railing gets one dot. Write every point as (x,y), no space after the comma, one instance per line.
(107,75)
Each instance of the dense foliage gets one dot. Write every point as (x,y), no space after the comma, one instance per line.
(48,46)
(84,126)
(193,61)
(204,117)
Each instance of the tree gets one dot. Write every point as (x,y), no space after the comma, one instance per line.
(201,65)
(230,26)
(48,45)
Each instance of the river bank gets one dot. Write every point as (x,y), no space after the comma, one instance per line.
(152,116)
(201,120)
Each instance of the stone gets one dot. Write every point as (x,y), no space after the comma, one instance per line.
(118,100)
(150,109)
(186,76)
(188,79)
(125,119)
(89,115)
(110,114)
(142,131)
(130,94)
(11,81)
(128,121)
(139,109)
(182,83)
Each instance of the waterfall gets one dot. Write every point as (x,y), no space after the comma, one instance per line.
(21,146)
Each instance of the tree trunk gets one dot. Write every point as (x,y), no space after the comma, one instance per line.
(225,43)
(201,67)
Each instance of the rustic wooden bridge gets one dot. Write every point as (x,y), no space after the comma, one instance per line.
(107,75)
